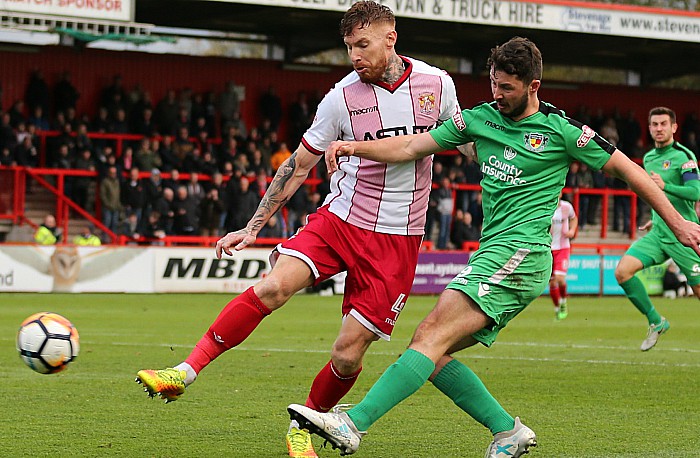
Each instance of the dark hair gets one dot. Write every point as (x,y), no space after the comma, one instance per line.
(365,13)
(663,111)
(518,56)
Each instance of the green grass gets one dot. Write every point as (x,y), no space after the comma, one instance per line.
(582,384)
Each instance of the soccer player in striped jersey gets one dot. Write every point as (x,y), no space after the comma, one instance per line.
(371,224)
(564,225)
(674,169)
(524,147)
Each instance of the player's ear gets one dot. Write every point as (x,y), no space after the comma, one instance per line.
(391,38)
(534,86)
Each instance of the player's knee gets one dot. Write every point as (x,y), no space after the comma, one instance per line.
(346,360)
(274,292)
(622,274)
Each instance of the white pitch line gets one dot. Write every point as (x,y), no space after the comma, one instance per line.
(464,356)
(592,347)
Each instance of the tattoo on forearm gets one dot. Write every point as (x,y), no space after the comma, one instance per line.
(274,198)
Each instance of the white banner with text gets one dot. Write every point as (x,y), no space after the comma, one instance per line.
(108,10)
(615,20)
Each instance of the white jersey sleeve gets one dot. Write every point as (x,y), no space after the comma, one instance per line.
(560,225)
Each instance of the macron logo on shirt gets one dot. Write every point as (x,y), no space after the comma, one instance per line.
(361,111)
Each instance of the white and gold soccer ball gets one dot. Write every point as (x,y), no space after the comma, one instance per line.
(47,342)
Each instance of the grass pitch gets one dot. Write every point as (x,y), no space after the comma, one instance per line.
(582,384)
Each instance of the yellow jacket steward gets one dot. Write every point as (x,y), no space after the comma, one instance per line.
(45,236)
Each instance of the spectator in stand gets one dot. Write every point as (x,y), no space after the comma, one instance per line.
(146,158)
(154,229)
(477,211)
(101,125)
(82,140)
(39,119)
(182,146)
(195,190)
(463,229)
(193,162)
(183,120)
(199,110)
(583,180)
(153,187)
(127,160)
(8,139)
(26,154)
(64,159)
(114,90)
(257,163)
(272,229)
(271,107)
(65,95)
(86,237)
(205,145)
(691,142)
(129,227)
(210,210)
(630,133)
(110,199)
(208,164)
(229,149)
(229,103)
(300,117)
(242,205)
(81,184)
(106,160)
(119,124)
(299,204)
(37,92)
(48,233)
(445,206)
(142,123)
(133,194)
(186,213)
(7,158)
(71,117)
(165,150)
(174,181)
(238,123)
(166,113)
(690,124)
(16,113)
(164,207)
(279,156)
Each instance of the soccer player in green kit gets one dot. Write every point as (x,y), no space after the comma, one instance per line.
(674,169)
(524,147)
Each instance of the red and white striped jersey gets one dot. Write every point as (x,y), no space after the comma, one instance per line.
(386,198)
(560,225)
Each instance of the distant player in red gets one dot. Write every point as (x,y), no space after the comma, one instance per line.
(371,224)
(564,225)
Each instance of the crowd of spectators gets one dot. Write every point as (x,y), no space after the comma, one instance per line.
(206,167)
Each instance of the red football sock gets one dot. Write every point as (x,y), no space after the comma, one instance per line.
(562,291)
(233,325)
(329,387)
(554,293)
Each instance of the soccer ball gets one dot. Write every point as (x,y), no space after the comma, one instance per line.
(47,342)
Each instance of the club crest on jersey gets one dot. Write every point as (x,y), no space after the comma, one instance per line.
(509,153)
(535,141)
(666,165)
(426,102)
(586,135)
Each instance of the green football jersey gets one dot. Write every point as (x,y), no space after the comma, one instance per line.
(524,165)
(675,164)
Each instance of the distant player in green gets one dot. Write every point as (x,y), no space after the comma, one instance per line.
(524,148)
(673,168)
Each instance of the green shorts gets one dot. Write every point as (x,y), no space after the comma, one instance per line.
(653,249)
(503,280)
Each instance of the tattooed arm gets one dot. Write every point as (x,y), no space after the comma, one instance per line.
(290,175)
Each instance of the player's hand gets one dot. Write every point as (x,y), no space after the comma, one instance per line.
(335,150)
(658,180)
(238,240)
(688,233)
(646,226)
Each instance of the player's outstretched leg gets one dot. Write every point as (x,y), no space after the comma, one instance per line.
(168,383)
(653,334)
(513,443)
(299,442)
(335,426)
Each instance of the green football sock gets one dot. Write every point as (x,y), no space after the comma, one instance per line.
(399,381)
(464,387)
(637,294)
